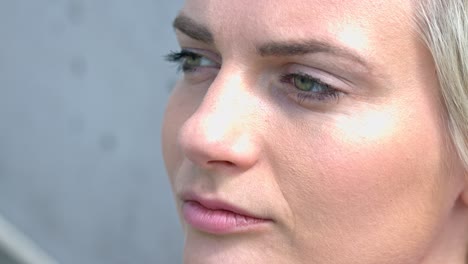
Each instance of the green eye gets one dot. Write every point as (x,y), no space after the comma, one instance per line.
(192,60)
(307,84)
(307,88)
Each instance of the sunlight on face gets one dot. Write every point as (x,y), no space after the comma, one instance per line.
(307,131)
(354,36)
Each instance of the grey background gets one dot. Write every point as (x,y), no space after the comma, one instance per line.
(82,92)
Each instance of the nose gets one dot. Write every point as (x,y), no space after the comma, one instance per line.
(221,132)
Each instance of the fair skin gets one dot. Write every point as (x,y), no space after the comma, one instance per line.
(359,170)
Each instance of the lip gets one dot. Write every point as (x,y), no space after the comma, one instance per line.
(215,216)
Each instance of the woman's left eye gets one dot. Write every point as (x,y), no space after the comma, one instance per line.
(189,61)
(310,88)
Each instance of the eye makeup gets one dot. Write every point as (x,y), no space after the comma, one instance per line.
(304,88)
(189,61)
(310,88)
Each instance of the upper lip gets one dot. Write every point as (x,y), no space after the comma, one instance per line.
(218,204)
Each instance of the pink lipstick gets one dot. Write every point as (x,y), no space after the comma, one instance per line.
(218,218)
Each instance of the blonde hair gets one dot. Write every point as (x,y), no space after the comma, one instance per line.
(443,25)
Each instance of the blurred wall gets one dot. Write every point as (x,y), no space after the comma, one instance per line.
(83,87)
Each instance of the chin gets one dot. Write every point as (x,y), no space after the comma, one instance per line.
(201,248)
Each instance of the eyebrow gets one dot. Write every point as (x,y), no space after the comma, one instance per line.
(193,29)
(199,32)
(310,46)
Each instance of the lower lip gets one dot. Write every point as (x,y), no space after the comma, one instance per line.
(218,221)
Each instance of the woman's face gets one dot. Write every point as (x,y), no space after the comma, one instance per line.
(307,131)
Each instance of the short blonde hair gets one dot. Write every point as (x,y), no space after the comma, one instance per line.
(443,25)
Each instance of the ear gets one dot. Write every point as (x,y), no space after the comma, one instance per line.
(464,194)
(464,197)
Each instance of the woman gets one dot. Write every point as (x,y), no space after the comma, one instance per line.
(317,131)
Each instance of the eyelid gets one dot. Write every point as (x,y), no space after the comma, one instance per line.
(324,76)
(205,53)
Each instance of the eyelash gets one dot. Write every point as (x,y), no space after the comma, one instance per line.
(329,93)
(180,58)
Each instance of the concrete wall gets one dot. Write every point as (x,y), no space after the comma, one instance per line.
(82,92)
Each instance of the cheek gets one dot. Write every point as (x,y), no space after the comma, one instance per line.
(180,106)
(380,156)
(378,177)
(168,139)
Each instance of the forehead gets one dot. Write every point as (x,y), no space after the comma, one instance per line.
(302,16)
(379,30)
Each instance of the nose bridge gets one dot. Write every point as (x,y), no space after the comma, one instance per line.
(219,130)
(224,104)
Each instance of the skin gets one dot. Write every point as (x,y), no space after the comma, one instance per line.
(369,177)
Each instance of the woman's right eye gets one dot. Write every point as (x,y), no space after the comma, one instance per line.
(189,61)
